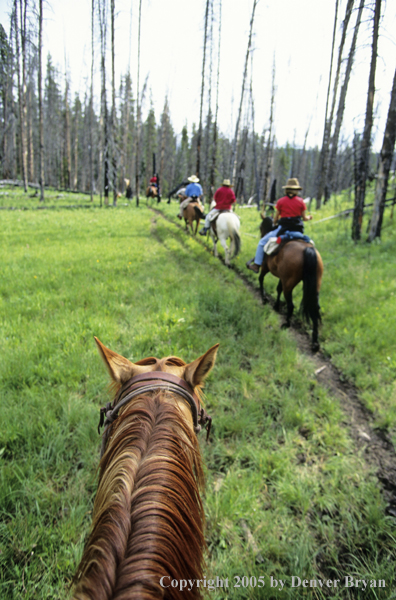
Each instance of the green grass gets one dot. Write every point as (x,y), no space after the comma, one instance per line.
(279,463)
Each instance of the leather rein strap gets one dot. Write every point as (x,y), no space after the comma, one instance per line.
(150,382)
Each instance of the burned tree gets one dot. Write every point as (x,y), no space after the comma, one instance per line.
(233,160)
(364,155)
(341,101)
(386,156)
(40,97)
(198,167)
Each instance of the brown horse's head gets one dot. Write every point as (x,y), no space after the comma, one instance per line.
(122,370)
(148,517)
(266,225)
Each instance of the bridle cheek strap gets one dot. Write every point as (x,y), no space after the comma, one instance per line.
(150,382)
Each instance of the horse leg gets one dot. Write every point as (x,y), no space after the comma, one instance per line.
(290,308)
(223,242)
(279,290)
(215,253)
(315,331)
(263,273)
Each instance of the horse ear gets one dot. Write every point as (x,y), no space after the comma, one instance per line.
(119,368)
(199,369)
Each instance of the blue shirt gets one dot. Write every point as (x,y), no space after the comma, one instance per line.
(194,189)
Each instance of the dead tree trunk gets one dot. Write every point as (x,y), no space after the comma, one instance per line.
(164,133)
(30,133)
(233,161)
(113,109)
(199,136)
(40,99)
(20,34)
(91,171)
(105,117)
(256,173)
(364,157)
(67,174)
(341,102)
(322,166)
(268,161)
(138,116)
(76,130)
(386,156)
(209,116)
(214,147)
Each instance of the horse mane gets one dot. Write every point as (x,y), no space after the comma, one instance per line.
(148,517)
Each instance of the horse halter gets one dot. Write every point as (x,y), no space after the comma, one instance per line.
(149,382)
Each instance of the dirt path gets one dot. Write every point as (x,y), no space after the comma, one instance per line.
(377,447)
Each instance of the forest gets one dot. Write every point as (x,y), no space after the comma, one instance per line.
(93,144)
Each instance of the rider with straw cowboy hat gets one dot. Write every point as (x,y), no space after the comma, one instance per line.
(290,212)
(224,198)
(193,192)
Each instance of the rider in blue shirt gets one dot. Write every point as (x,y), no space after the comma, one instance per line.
(193,191)
(194,188)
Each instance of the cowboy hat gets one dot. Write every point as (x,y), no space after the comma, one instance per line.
(227,182)
(193,179)
(292,184)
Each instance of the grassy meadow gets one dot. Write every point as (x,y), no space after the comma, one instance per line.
(287,492)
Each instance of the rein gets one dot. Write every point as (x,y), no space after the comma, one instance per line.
(149,382)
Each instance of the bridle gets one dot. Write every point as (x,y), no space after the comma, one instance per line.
(150,382)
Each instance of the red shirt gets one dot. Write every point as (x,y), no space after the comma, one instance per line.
(224,197)
(290,207)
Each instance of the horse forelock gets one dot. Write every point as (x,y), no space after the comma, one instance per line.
(148,516)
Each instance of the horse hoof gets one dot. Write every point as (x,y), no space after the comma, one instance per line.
(276,307)
(285,326)
(315,346)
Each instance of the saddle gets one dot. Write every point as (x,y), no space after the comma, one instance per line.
(273,246)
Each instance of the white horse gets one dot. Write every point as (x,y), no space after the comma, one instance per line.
(227,226)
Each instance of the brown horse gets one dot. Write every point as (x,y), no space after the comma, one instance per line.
(148,518)
(152,192)
(193,212)
(296,261)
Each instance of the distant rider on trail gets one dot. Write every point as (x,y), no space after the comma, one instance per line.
(194,193)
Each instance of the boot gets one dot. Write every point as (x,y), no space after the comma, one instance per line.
(204,231)
(251,265)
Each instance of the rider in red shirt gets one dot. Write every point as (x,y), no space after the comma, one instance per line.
(290,212)
(224,198)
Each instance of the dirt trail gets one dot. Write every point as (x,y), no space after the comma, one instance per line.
(377,447)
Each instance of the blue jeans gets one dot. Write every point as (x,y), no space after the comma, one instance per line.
(258,259)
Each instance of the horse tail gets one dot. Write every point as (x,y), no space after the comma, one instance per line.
(237,243)
(310,308)
(235,237)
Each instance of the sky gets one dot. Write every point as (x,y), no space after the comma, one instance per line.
(295,35)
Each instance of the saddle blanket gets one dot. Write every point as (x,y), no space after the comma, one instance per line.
(273,242)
